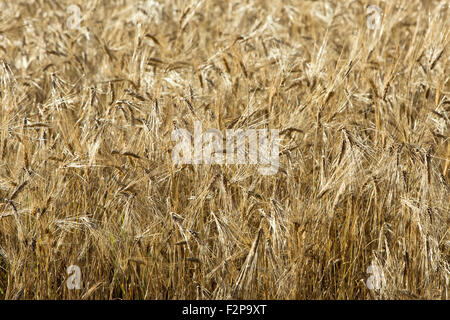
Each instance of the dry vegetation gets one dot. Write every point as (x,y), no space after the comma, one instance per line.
(86,175)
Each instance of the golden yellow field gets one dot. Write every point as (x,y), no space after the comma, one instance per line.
(92,205)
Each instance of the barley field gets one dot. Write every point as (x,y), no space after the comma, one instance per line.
(92,205)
